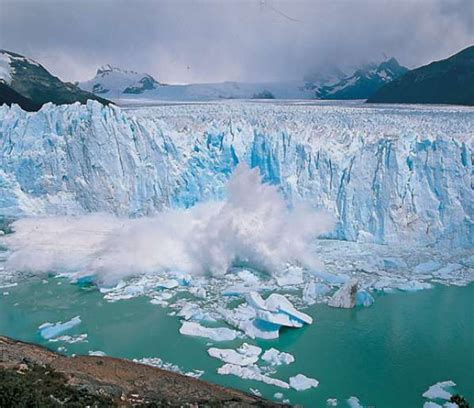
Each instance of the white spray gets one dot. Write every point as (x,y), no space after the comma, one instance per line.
(252,225)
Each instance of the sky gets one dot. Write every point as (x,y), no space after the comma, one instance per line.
(188,41)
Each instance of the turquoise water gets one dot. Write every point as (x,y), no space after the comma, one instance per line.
(386,355)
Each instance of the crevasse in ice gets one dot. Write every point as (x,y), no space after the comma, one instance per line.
(387,173)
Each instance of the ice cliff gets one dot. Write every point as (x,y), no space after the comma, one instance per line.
(389,174)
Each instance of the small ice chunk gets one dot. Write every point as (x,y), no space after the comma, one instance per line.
(167,284)
(331,402)
(364,298)
(50,330)
(414,286)
(278,395)
(276,358)
(214,333)
(431,404)
(251,373)
(97,353)
(192,311)
(80,338)
(256,392)
(438,391)
(426,267)
(345,297)
(301,383)
(354,402)
(245,355)
(198,292)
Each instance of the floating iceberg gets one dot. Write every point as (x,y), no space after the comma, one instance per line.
(364,298)
(354,402)
(50,330)
(251,373)
(345,297)
(276,358)
(214,333)
(263,318)
(245,355)
(438,391)
(277,309)
(301,383)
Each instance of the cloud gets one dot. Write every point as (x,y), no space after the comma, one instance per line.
(249,40)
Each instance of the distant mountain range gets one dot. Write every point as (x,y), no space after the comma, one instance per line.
(330,83)
(28,84)
(115,81)
(364,82)
(449,81)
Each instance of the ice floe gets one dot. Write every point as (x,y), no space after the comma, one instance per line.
(212,333)
(80,338)
(49,330)
(439,390)
(245,355)
(276,358)
(251,372)
(354,402)
(301,383)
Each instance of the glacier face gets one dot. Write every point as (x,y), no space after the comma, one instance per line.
(389,174)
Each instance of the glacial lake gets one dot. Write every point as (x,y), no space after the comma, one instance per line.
(386,355)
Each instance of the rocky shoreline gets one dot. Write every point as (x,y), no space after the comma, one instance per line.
(31,375)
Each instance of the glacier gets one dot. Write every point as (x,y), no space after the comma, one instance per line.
(389,174)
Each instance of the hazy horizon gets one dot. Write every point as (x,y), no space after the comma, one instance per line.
(250,41)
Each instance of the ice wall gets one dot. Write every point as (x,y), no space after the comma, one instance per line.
(389,174)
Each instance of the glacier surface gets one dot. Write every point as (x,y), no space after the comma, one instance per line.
(388,174)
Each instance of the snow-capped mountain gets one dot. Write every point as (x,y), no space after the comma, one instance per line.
(389,175)
(122,86)
(364,82)
(30,85)
(113,81)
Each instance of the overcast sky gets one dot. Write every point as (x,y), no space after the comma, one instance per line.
(184,41)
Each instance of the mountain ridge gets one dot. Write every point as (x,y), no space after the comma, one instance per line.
(29,84)
(446,81)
